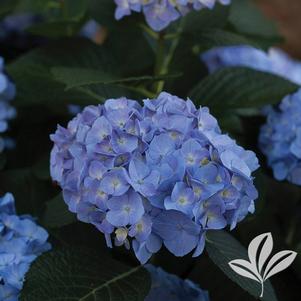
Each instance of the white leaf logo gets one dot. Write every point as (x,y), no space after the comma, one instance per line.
(258,268)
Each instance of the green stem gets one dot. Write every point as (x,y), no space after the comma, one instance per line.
(162,65)
(150,32)
(160,53)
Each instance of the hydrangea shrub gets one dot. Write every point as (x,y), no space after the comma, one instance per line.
(167,286)
(160,13)
(21,242)
(158,173)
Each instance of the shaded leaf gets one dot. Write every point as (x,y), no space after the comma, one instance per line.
(218,38)
(83,275)
(56,29)
(241,87)
(35,83)
(204,19)
(102,11)
(57,214)
(248,19)
(29,192)
(77,77)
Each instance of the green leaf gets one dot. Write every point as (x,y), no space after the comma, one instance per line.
(83,275)
(29,192)
(56,29)
(60,18)
(57,214)
(102,11)
(34,6)
(218,37)
(204,19)
(55,10)
(241,87)
(186,55)
(136,55)
(248,19)
(32,73)
(74,9)
(78,77)
(222,248)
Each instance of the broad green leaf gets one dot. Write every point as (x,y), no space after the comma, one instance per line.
(204,19)
(83,275)
(223,248)
(241,87)
(78,77)
(57,214)
(29,192)
(248,19)
(218,38)
(186,57)
(102,11)
(35,6)
(55,10)
(56,29)
(35,83)
(74,9)
(128,44)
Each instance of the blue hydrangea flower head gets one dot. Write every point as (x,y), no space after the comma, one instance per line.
(21,242)
(160,173)
(280,139)
(160,13)
(275,61)
(7,93)
(167,286)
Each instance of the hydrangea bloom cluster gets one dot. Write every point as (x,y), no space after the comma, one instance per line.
(21,242)
(160,13)
(166,286)
(280,138)
(7,93)
(274,61)
(152,174)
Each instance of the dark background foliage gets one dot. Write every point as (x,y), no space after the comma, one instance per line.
(56,67)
